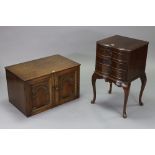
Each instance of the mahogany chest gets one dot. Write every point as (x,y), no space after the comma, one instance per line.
(41,84)
(120,60)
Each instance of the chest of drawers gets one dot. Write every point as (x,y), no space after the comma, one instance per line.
(120,60)
(41,84)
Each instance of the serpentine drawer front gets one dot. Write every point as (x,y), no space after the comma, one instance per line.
(120,60)
(41,84)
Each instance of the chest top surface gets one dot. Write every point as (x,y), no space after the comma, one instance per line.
(122,43)
(40,67)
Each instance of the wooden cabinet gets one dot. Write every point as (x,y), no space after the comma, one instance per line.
(120,60)
(41,84)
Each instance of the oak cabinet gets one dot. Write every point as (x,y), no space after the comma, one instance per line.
(41,84)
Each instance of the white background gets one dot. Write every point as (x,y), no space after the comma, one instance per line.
(77,13)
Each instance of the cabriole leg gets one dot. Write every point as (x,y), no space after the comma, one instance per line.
(126,94)
(110,89)
(143,79)
(94,77)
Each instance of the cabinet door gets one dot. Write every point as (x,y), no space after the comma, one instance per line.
(66,85)
(40,90)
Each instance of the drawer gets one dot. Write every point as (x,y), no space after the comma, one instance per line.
(103,50)
(104,69)
(103,60)
(119,65)
(121,57)
(121,75)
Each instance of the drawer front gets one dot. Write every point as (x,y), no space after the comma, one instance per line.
(121,75)
(103,60)
(109,71)
(119,65)
(105,51)
(121,57)
(103,69)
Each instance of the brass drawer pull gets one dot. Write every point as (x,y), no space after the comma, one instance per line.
(123,49)
(109,45)
(57,88)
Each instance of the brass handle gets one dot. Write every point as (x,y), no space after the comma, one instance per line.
(124,49)
(109,45)
(57,88)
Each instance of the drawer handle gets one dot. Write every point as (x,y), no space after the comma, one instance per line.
(106,45)
(109,45)
(57,88)
(123,49)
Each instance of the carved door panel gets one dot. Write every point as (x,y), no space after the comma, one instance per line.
(40,93)
(66,86)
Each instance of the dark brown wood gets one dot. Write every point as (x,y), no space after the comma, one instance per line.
(94,77)
(110,89)
(41,84)
(120,60)
(126,94)
(66,85)
(143,81)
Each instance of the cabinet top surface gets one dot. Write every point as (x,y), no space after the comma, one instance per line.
(122,43)
(41,67)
